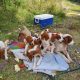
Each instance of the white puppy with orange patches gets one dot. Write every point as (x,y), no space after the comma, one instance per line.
(45,38)
(33,50)
(62,46)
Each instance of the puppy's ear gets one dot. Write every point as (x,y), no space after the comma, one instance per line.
(39,40)
(67,39)
(29,39)
(53,37)
(2,54)
(46,36)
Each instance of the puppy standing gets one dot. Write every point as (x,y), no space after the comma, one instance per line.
(48,39)
(45,38)
(33,50)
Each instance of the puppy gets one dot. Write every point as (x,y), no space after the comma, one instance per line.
(45,41)
(4,49)
(23,34)
(33,49)
(28,41)
(62,46)
(48,38)
(53,38)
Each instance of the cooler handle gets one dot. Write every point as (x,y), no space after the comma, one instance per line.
(36,20)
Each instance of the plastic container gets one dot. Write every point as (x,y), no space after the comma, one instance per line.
(43,20)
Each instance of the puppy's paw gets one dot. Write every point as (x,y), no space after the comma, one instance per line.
(6,58)
(17,59)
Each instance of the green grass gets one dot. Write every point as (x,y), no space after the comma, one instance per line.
(71,7)
(21,12)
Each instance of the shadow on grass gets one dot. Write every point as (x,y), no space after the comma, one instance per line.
(76,10)
(75,1)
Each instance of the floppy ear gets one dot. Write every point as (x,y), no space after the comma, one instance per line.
(52,38)
(37,41)
(29,39)
(45,35)
(42,36)
(2,54)
(67,39)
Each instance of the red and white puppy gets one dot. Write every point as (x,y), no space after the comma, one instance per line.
(45,41)
(62,47)
(33,50)
(48,38)
(23,33)
(55,37)
(28,40)
(4,49)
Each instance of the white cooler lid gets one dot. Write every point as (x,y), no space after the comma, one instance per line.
(43,16)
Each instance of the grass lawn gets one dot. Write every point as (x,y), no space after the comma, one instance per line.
(9,27)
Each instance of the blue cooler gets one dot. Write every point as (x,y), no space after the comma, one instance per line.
(43,20)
